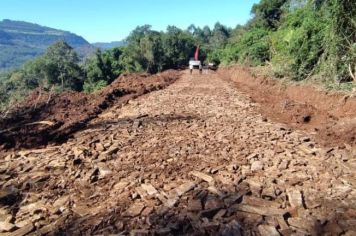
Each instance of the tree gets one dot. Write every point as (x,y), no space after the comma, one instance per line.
(35,74)
(192,29)
(139,32)
(267,13)
(143,52)
(205,35)
(219,36)
(113,57)
(151,49)
(61,66)
(102,69)
(341,39)
(98,68)
(177,47)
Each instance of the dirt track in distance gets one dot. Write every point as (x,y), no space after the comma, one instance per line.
(194,158)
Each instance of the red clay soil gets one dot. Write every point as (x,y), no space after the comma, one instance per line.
(71,111)
(330,116)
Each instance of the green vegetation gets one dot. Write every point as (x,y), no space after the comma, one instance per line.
(153,51)
(297,38)
(57,69)
(101,69)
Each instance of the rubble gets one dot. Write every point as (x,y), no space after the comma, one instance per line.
(195,158)
(182,189)
(256,166)
(202,176)
(135,209)
(268,230)
(295,198)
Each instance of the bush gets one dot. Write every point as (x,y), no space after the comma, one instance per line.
(91,87)
(252,48)
(299,38)
(297,46)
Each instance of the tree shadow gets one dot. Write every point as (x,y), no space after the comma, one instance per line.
(187,219)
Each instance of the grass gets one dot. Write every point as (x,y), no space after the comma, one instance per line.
(317,81)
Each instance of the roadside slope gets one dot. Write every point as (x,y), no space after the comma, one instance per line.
(329,116)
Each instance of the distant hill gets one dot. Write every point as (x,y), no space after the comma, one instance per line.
(109,45)
(21,41)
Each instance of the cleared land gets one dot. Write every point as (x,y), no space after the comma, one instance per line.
(216,153)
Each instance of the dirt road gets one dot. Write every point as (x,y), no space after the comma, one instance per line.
(193,158)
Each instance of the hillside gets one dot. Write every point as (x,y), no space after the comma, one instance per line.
(109,45)
(21,41)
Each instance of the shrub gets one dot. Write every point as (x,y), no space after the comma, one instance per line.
(91,87)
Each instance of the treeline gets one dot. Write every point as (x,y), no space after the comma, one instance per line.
(299,38)
(146,50)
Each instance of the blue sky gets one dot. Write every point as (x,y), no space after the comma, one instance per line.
(112,20)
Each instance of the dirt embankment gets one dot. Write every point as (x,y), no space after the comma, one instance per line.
(42,118)
(330,116)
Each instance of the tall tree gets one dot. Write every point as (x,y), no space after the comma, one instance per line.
(267,13)
(219,36)
(97,68)
(177,47)
(61,66)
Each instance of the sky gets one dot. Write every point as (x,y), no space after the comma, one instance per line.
(113,20)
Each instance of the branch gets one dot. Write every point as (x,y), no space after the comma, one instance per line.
(5,113)
(38,99)
(50,94)
(352,74)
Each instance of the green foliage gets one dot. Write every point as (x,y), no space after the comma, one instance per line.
(254,46)
(102,66)
(340,40)
(58,68)
(219,36)
(251,48)
(267,13)
(177,47)
(153,51)
(300,38)
(143,51)
(12,88)
(316,38)
(210,39)
(298,45)
(332,86)
(93,86)
(96,69)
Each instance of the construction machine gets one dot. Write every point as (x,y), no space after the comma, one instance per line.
(195,63)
